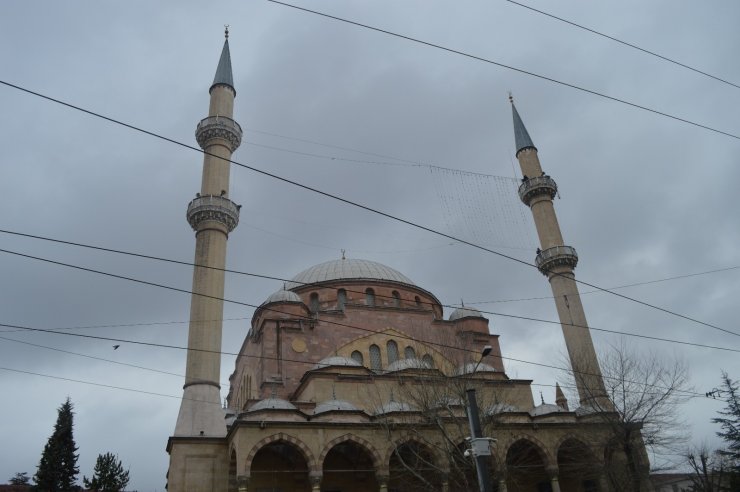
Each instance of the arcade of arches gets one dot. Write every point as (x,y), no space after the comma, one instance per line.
(353,465)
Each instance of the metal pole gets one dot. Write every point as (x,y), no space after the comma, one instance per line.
(479,445)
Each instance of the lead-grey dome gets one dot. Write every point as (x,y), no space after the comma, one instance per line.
(272,404)
(347,269)
(465,312)
(337,360)
(544,409)
(473,367)
(282,296)
(402,364)
(393,406)
(334,406)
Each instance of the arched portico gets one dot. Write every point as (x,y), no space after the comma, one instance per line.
(413,467)
(527,466)
(348,466)
(280,462)
(579,469)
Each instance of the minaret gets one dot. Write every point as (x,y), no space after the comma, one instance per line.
(557,262)
(213,216)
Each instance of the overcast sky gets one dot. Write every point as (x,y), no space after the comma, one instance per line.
(643,197)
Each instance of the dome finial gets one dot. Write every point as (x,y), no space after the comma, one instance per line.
(226,31)
(511,98)
(343,254)
(542,398)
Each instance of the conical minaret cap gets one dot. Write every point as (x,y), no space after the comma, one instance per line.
(223,72)
(522,139)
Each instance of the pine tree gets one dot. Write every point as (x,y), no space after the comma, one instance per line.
(730,420)
(109,475)
(57,470)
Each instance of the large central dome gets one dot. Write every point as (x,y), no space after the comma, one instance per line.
(347,269)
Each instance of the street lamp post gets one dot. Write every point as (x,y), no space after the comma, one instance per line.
(480,447)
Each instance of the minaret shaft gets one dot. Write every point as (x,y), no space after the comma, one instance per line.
(557,261)
(212,216)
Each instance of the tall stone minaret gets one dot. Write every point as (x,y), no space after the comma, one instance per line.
(557,262)
(213,216)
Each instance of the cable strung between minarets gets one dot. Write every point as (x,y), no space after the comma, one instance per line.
(212,216)
(557,261)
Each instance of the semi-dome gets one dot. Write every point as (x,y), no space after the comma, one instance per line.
(465,312)
(544,409)
(272,404)
(402,364)
(282,296)
(337,360)
(471,367)
(334,406)
(347,269)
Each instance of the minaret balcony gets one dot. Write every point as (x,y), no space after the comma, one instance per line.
(213,208)
(537,186)
(557,256)
(219,127)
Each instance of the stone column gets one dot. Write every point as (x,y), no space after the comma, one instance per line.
(603,483)
(315,479)
(242,482)
(382,482)
(552,473)
(502,485)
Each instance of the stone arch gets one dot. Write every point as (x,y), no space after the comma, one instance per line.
(435,452)
(414,465)
(543,450)
(300,445)
(578,466)
(570,436)
(527,463)
(363,443)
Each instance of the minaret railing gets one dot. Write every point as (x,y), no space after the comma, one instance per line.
(218,127)
(556,256)
(536,186)
(213,207)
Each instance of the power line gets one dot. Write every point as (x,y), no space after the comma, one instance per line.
(226,270)
(250,305)
(635,284)
(361,206)
(509,67)
(91,356)
(265,357)
(625,43)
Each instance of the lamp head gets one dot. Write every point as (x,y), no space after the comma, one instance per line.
(486,350)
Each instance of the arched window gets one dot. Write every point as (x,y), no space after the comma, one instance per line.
(418,301)
(392,351)
(409,353)
(357,357)
(313,304)
(396,298)
(370,297)
(428,360)
(375,362)
(341,299)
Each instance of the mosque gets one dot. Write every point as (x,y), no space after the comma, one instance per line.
(351,377)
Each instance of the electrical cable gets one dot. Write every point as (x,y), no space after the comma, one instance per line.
(509,67)
(239,303)
(266,357)
(361,206)
(625,43)
(526,318)
(636,284)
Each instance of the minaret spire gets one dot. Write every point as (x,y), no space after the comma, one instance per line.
(224,75)
(557,261)
(522,140)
